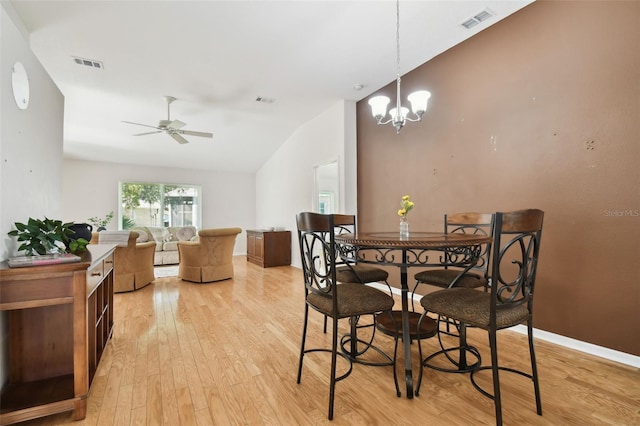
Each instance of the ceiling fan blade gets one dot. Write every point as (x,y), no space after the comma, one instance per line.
(192,133)
(138,124)
(178,138)
(147,133)
(176,124)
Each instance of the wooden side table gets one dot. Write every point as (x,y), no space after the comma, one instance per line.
(269,248)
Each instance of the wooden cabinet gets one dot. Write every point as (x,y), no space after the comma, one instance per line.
(100,310)
(60,318)
(269,248)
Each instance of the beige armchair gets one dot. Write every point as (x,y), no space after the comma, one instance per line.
(210,258)
(133,263)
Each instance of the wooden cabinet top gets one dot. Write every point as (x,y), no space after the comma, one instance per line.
(265,231)
(94,254)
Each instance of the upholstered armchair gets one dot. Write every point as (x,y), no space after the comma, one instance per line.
(133,262)
(210,258)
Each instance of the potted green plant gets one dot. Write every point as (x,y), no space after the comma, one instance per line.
(47,236)
(100,224)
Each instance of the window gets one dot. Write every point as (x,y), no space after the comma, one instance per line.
(159,204)
(325,202)
(326,188)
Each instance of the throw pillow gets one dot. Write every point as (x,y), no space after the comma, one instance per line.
(142,236)
(159,234)
(185,233)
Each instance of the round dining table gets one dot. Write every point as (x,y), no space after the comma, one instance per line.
(419,249)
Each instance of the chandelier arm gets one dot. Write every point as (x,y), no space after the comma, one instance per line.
(413,120)
(379,121)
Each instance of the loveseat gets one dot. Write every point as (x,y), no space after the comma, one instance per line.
(166,239)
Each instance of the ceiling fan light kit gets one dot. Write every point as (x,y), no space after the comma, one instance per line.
(171,127)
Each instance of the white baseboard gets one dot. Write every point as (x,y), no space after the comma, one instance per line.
(567,342)
(579,345)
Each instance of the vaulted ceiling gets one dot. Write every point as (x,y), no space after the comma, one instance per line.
(217,58)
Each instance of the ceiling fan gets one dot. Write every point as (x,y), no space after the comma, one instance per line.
(171,127)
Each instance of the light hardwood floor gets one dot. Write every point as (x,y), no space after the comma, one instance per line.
(227,353)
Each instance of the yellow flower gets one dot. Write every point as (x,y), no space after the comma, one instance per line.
(406,204)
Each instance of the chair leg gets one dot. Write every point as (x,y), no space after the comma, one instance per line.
(304,338)
(353,324)
(534,368)
(496,377)
(463,349)
(334,355)
(495,368)
(395,353)
(417,391)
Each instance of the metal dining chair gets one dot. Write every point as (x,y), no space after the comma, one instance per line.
(351,271)
(508,301)
(335,300)
(450,276)
(476,276)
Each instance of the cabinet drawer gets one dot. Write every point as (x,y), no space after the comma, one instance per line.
(108,264)
(94,277)
(39,291)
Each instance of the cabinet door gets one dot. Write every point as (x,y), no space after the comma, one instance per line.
(259,247)
(251,245)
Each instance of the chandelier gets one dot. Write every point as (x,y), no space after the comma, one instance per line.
(399,115)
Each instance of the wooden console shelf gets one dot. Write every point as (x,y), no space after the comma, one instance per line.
(269,248)
(60,318)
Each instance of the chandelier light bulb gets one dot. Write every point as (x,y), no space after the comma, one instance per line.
(419,101)
(379,106)
(393,112)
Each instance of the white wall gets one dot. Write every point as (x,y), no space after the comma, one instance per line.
(91,189)
(30,147)
(30,140)
(284,184)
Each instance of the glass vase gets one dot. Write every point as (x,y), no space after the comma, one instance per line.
(404,228)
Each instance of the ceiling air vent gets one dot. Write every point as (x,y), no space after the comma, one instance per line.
(265,100)
(481,16)
(88,62)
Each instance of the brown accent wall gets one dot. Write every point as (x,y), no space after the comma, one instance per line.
(541,110)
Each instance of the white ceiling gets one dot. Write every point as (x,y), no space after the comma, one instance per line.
(216,57)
